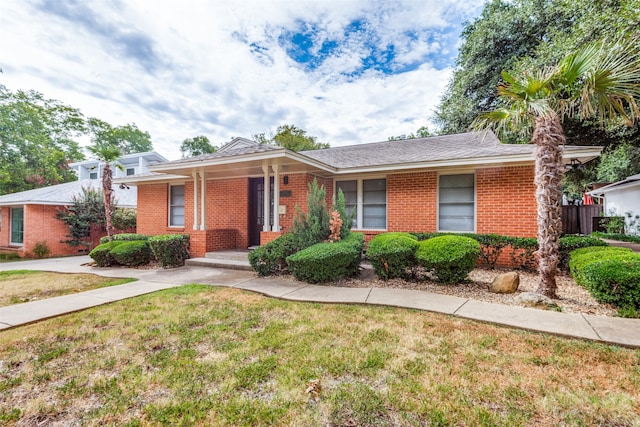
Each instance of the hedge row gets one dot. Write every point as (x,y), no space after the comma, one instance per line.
(611,275)
(523,248)
(170,250)
(324,262)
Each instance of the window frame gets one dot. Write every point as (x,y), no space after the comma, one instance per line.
(359,220)
(475,201)
(11,216)
(133,171)
(170,205)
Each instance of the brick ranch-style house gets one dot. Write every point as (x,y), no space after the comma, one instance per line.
(28,217)
(245,194)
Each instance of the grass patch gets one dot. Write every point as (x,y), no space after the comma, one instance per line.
(18,286)
(197,355)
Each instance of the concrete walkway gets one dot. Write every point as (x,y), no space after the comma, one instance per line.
(619,331)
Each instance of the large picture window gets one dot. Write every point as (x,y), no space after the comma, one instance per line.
(17,226)
(368,199)
(176,206)
(456,203)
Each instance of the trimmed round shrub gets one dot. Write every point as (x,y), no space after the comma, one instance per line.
(450,258)
(324,262)
(271,258)
(124,237)
(392,253)
(101,254)
(570,243)
(170,250)
(614,279)
(133,253)
(583,256)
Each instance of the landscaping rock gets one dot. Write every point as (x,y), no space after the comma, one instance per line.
(535,300)
(506,283)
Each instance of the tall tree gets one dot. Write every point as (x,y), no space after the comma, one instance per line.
(196,146)
(37,140)
(128,138)
(292,138)
(600,82)
(108,153)
(423,132)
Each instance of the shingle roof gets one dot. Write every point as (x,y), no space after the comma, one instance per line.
(445,147)
(257,148)
(62,194)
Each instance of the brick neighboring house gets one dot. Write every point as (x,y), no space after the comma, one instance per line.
(28,217)
(244,194)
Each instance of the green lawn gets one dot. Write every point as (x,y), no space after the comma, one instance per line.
(198,355)
(18,286)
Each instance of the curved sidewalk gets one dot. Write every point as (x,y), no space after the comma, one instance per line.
(611,330)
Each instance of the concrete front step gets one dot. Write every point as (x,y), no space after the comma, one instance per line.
(237,255)
(231,264)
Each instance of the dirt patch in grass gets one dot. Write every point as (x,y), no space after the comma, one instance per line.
(198,355)
(18,286)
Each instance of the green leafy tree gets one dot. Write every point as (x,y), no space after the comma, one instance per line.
(37,141)
(599,82)
(196,146)
(312,227)
(291,138)
(128,138)
(108,153)
(423,132)
(84,215)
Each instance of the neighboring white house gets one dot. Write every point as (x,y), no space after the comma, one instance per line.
(132,164)
(621,197)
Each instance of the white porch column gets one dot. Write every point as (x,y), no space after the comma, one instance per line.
(195,200)
(266,198)
(276,197)
(203,198)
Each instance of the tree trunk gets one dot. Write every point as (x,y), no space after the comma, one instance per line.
(107,180)
(548,137)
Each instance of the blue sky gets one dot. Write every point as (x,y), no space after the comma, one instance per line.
(345,71)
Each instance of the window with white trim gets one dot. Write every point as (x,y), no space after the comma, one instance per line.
(456,202)
(368,199)
(93,175)
(131,171)
(176,206)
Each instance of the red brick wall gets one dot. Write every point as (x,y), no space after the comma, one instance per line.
(41,226)
(412,201)
(506,201)
(298,186)
(228,207)
(153,209)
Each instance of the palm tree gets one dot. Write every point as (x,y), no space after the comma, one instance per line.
(600,81)
(107,153)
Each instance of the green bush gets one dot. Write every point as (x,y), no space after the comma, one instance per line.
(271,258)
(571,243)
(579,258)
(170,250)
(132,253)
(125,237)
(392,253)
(124,219)
(620,237)
(324,262)
(450,258)
(614,279)
(101,254)
(41,250)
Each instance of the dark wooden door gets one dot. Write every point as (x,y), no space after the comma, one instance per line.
(256,209)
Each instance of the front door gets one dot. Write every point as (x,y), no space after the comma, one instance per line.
(256,209)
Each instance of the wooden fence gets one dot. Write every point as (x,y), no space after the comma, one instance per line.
(579,219)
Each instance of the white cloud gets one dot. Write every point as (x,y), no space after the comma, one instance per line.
(218,68)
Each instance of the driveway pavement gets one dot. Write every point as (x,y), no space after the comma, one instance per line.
(619,331)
